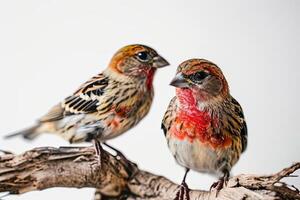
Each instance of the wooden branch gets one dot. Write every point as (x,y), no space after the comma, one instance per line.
(118,178)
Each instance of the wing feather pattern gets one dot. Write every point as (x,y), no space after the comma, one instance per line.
(85,100)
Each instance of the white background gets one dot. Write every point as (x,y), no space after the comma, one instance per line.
(48,48)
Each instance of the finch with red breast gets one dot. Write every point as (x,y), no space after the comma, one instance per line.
(204,125)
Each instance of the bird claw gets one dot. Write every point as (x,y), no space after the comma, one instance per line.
(218,186)
(220,183)
(183,192)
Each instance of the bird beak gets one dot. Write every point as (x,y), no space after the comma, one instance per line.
(179,81)
(159,62)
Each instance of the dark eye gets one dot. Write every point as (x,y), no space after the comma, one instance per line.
(198,76)
(143,56)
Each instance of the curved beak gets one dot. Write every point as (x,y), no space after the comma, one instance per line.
(159,62)
(179,81)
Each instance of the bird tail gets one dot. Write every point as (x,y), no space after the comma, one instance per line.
(28,133)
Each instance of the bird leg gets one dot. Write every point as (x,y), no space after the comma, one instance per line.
(183,192)
(220,183)
(98,149)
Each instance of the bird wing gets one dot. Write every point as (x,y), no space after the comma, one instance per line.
(85,100)
(243,131)
(169,116)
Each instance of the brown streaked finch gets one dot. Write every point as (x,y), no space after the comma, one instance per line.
(108,104)
(204,125)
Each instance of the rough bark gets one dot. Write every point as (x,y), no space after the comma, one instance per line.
(117,178)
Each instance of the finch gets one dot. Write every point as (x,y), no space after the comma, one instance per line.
(108,104)
(204,125)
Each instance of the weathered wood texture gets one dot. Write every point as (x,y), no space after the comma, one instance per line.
(118,178)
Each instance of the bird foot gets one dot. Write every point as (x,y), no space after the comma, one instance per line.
(218,185)
(183,192)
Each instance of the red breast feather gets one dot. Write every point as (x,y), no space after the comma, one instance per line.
(194,124)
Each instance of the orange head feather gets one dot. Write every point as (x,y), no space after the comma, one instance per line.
(204,78)
(136,60)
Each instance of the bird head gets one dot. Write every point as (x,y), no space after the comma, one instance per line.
(203,78)
(138,61)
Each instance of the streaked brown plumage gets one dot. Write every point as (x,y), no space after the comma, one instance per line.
(204,125)
(109,103)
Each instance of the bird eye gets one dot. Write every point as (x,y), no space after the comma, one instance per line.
(143,56)
(198,76)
